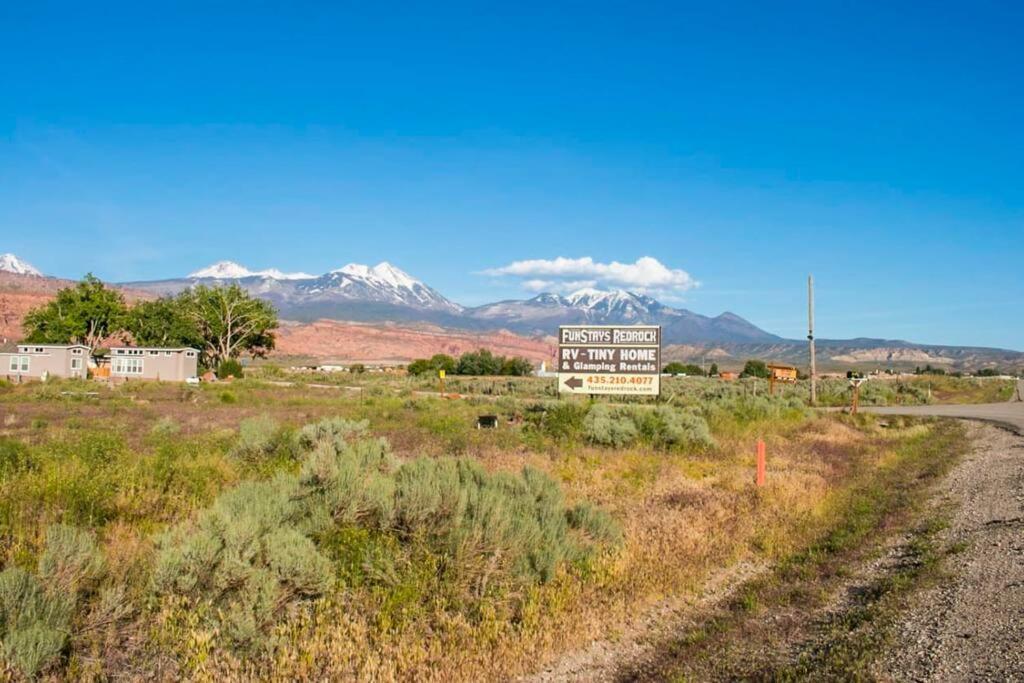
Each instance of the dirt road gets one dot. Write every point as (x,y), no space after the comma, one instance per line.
(1010,414)
(970,627)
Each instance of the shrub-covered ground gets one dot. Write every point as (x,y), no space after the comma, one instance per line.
(247,529)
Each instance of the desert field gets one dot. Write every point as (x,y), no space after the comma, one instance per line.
(363,527)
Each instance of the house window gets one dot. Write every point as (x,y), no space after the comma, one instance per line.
(190,354)
(14,363)
(19,363)
(118,352)
(76,363)
(168,353)
(39,349)
(154,353)
(76,352)
(127,366)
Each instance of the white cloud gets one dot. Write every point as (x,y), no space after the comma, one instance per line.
(647,275)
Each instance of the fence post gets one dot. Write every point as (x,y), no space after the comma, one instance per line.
(761,464)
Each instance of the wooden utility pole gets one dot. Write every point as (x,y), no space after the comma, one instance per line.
(810,337)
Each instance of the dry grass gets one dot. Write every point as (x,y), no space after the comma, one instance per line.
(686,516)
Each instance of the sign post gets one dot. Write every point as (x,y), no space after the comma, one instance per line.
(609,359)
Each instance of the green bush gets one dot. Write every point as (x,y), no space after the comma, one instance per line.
(244,558)
(257,438)
(263,547)
(14,457)
(36,611)
(230,368)
(607,426)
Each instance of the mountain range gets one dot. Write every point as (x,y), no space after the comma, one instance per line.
(362,293)
(383,309)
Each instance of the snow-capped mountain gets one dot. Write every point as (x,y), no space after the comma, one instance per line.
(229,270)
(352,292)
(544,312)
(384,292)
(9,263)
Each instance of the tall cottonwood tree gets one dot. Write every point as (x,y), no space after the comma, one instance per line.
(86,314)
(229,322)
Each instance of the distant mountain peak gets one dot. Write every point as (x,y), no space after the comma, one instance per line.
(229,270)
(9,263)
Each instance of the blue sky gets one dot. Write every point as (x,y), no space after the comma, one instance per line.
(878,145)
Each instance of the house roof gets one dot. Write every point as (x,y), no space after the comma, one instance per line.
(52,346)
(8,347)
(156,348)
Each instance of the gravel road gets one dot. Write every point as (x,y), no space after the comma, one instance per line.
(970,627)
(1010,413)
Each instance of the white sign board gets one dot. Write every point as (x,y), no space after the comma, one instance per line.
(609,359)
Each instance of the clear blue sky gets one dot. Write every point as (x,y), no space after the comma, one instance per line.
(879,145)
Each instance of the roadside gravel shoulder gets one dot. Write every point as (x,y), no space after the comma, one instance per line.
(970,626)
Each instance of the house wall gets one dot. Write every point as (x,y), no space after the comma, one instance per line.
(53,361)
(170,366)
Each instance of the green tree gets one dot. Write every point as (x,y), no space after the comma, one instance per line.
(442,361)
(86,314)
(230,322)
(713,371)
(517,367)
(481,362)
(755,368)
(164,322)
(420,366)
(677,368)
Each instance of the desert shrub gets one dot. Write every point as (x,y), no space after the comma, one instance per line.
(244,558)
(14,457)
(228,397)
(343,484)
(337,430)
(607,426)
(668,427)
(36,611)
(165,426)
(483,523)
(561,419)
(257,438)
(230,368)
(596,523)
(263,547)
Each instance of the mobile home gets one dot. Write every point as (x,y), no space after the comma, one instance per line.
(171,365)
(40,361)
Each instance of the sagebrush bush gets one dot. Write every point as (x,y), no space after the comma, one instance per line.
(244,558)
(36,611)
(607,426)
(253,554)
(257,437)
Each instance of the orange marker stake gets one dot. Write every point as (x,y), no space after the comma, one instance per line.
(761,465)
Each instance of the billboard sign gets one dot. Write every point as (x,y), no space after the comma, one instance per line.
(609,359)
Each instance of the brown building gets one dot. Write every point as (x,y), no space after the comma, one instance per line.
(170,365)
(40,361)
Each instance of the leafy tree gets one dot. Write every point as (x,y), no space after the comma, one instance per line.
(357,368)
(164,322)
(517,367)
(481,362)
(677,368)
(86,314)
(442,361)
(713,371)
(420,366)
(755,368)
(230,322)
(988,372)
